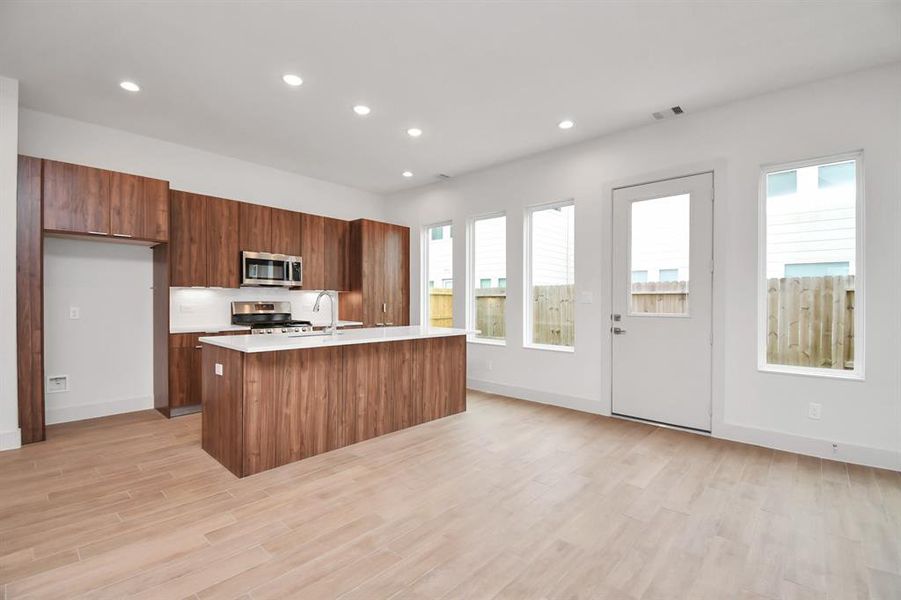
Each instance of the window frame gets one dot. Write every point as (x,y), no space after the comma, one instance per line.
(424,292)
(527,329)
(471,336)
(858,372)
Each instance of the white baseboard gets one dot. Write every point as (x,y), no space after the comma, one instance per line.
(777,440)
(10,440)
(64,414)
(574,402)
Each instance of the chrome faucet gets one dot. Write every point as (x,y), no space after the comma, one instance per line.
(332,328)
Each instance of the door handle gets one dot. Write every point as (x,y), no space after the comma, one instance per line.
(618,331)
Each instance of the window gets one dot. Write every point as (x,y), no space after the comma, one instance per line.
(550,276)
(778,184)
(669,275)
(660,246)
(489,263)
(439,301)
(810,270)
(502,282)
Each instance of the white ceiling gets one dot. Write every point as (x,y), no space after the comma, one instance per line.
(486,81)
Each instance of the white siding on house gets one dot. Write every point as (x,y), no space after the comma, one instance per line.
(553,250)
(490,251)
(660,236)
(440,252)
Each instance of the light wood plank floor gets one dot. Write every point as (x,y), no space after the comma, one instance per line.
(509,500)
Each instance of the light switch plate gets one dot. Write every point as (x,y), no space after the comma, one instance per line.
(218,368)
(586,297)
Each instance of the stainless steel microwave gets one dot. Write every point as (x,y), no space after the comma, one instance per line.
(262,268)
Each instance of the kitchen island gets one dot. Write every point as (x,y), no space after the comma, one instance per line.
(269,400)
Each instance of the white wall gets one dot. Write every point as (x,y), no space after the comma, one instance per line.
(58,138)
(10,436)
(861,110)
(108,351)
(119,335)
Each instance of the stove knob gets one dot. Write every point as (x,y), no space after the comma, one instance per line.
(284,330)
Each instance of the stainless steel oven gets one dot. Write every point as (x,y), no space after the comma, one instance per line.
(262,268)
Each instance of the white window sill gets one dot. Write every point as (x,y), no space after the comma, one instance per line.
(811,372)
(549,347)
(486,341)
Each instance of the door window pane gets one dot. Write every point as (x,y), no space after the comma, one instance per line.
(440,254)
(552,276)
(811,237)
(490,266)
(660,248)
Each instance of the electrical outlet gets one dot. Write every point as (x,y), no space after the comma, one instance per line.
(218,368)
(57,383)
(814,410)
(834,449)
(74,312)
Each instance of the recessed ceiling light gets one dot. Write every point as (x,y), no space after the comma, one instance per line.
(565,124)
(362,110)
(131,86)
(414,132)
(294,80)
(407,173)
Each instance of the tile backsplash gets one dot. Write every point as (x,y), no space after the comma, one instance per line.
(211,307)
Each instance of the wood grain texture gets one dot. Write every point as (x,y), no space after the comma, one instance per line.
(324,252)
(255,228)
(378,390)
(161,327)
(439,378)
(286,232)
(510,499)
(223,406)
(222,253)
(188,245)
(139,207)
(76,198)
(290,406)
(30,300)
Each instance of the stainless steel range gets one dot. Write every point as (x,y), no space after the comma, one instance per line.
(268,318)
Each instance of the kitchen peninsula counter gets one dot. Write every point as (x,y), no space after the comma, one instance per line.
(269,400)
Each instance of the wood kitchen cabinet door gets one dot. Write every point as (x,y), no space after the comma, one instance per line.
(223,256)
(139,207)
(184,370)
(375,309)
(188,243)
(255,228)
(324,252)
(397,275)
(286,232)
(76,198)
(378,264)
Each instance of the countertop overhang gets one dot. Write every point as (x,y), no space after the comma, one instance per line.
(371,335)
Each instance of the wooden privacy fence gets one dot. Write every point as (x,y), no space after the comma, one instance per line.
(441,307)
(552,315)
(490,306)
(660,297)
(810,321)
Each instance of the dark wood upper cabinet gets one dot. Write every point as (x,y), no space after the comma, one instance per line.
(139,207)
(76,198)
(324,252)
(255,228)
(286,232)
(187,240)
(378,274)
(223,256)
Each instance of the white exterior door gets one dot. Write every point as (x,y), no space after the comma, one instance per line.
(662,284)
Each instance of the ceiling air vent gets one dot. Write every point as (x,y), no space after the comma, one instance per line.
(443,176)
(673,111)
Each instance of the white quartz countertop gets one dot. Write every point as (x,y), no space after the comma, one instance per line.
(371,335)
(224,328)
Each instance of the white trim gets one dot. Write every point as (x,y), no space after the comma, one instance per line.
(99,409)
(527,329)
(858,373)
(820,448)
(424,269)
(10,440)
(470,275)
(588,405)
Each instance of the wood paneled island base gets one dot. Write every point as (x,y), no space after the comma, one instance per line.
(268,409)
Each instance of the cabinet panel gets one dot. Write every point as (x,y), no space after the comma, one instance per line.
(397,275)
(223,256)
(439,377)
(286,232)
(324,252)
(255,228)
(76,198)
(188,243)
(139,207)
(335,254)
